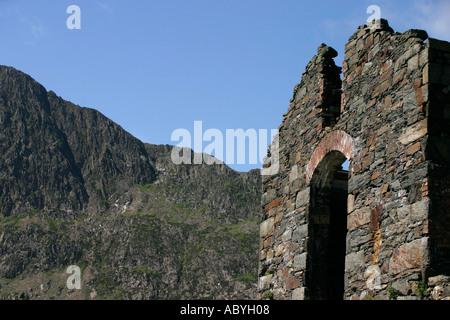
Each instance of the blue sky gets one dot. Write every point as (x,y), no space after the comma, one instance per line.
(155,66)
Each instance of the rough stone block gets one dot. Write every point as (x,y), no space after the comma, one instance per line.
(413,63)
(354,261)
(298,294)
(264,282)
(292,283)
(358,181)
(415,33)
(423,58)
(273,203)
(268,197)
(411,178)
(303,198)
(358,218)
(402,286)
(278,217)
(300,233)
(266,228)
(399,76)
(414,132)
(350,203)
(439,280)
(293,174)
(425,74)
(280,249)
(409,255)
(419,210)
(287,235)
(413,148)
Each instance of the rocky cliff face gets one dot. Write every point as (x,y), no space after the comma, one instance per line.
(77,189)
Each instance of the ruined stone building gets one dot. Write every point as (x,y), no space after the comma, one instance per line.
(380,229)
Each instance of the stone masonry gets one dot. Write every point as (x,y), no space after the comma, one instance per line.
(381,229)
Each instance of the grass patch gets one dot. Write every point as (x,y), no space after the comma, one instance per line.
(250,277)
(143,227)
(144,188)
(11,221)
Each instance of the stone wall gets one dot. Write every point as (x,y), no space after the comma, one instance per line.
(379,230)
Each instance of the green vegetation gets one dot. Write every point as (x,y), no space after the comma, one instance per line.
(179,206)
(52,223)
(143,227)
(101,195)
(144,188)
(13,220)
(10,221)
(420,289)
(250,277)
(392,295)
(268,295)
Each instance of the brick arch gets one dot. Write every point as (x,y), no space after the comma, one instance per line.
(334,141)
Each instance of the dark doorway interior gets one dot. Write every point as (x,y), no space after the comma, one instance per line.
(327,229)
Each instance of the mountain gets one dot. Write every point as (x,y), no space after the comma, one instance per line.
(77,189)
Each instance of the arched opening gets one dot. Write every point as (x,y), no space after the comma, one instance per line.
(327,226)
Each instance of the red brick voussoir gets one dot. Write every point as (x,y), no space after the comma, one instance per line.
(334,141)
